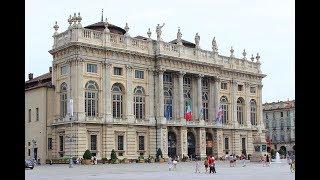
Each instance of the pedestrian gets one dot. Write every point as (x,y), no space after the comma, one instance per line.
(197,166)
(243,158)
(210,162)
(226,157)
(213,165)
(170,163)
(175,162)
(206,164)
(267,160)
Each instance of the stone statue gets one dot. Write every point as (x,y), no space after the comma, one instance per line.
(197,39)
(158,31)
(214,45)
(179,35)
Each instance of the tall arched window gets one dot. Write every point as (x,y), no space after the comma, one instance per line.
(205,98)
(224,107)
(139,102)
(253,112)
(168,95)
(240,105)
(187,92)
(205,105)
(63,99)
(117,100)
(91,98)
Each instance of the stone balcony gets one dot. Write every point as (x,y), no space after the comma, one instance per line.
(103,39)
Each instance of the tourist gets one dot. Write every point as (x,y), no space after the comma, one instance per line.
(213,165)
(197,166)
(267,160)
(175,162)
(226,157)
(170,163)
(206,164)
(210,162)
(243,158)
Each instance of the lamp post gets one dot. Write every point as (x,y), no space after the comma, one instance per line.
(70,136)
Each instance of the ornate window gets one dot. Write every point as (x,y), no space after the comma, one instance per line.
(91,99)
(168,95)
(139,102)
(139,74)
(63,99)
(93,144)
(92,68)
(141,143)
(240,105)
(187,92)
(226,143)
(205,105)
(205,99)
(253,112)
(224,85)
(120,142)
(224,107)
(117,97)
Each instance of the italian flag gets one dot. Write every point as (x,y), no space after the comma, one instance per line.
(188,114)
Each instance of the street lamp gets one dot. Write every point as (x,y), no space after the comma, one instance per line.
(70,136)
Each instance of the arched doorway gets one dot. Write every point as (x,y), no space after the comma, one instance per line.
(191,145)
(172,144)
(209,144)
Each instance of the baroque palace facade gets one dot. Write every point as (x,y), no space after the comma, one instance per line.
(279,118)
(130,94)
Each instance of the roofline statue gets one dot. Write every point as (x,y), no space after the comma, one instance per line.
(158,31)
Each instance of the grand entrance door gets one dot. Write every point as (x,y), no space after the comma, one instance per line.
(172,145)
(209,144)
(35,153)
(191,145)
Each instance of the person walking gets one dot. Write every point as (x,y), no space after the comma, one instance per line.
(267,160)
(175,162)
(170,163)
(243,158)
(197,166)
(210,162)
(206,164)
(213,165)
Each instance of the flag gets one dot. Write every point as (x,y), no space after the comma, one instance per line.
(219,116)
(188,114)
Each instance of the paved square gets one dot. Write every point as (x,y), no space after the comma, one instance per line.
(185,171)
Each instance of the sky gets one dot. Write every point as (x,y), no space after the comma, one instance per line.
(258,26)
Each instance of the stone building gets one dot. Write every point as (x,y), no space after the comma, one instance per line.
(130,94)
(279,118)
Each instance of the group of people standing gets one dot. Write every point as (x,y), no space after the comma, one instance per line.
(211,163)
(265,160)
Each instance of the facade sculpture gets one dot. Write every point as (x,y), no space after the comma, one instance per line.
(131,94)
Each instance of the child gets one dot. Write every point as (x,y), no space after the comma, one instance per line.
(206,164)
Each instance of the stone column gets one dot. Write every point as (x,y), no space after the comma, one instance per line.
(151,89)
(247,106)
(182,140)
(236,143)
(199,97)
(219,143)
(160,101)
(107,91)
(234,121)
(181,98)
(129,94)
(201,142)
(217,86)
(211,101)
(162,135)
(259,105)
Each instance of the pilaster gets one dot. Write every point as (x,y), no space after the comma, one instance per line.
(129,94)
(107,91)
(181,98)
(163,141)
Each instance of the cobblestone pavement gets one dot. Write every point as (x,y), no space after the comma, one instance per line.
(185,171)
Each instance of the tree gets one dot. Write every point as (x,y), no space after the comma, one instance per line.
(273,153)
(159,154)
(87,154)
(113,156)
(281,151)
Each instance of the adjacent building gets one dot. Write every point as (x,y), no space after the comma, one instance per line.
(279,118)
(131,94)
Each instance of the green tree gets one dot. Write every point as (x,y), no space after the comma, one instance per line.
(159,154)
(281,152)
(87,154)
(113,156)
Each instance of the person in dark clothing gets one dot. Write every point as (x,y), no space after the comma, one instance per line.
(267,160)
